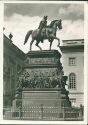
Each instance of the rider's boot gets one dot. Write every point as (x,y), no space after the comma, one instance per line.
(41,41)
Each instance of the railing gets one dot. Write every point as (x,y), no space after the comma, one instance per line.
(44,113)
(75,114)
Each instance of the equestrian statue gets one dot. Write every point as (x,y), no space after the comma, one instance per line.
(44,32)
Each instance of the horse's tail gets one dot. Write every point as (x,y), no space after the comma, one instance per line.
(27,36)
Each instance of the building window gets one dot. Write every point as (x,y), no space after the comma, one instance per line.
(72,81)
(72,61)
(73,101)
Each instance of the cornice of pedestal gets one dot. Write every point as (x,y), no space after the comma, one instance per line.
(43,66)
(44,54)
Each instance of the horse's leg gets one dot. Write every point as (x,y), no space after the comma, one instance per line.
(54,37)
(50,43)
(31,44)
(38,45)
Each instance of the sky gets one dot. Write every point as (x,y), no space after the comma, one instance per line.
(22,17)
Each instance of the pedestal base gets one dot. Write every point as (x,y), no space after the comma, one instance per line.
(47,97)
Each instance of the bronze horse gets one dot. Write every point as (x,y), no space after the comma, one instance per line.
(48,32)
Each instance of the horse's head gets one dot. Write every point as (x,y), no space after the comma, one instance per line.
(59,24)
(56,23)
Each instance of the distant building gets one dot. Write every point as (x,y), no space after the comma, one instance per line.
(13,62)
(73,63)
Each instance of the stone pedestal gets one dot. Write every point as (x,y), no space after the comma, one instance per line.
(42,81)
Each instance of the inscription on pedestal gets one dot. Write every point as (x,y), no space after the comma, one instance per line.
(41,61)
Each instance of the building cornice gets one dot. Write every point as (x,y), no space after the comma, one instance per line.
(77,93)
(72,48)
(76,40)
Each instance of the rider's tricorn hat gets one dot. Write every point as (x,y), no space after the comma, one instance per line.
(60,20)
(45,17)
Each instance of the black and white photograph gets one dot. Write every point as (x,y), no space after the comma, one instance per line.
(44,62)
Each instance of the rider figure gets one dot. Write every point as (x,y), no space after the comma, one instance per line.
(42,25)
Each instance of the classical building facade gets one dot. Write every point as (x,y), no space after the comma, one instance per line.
(73,63)
(12,65)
